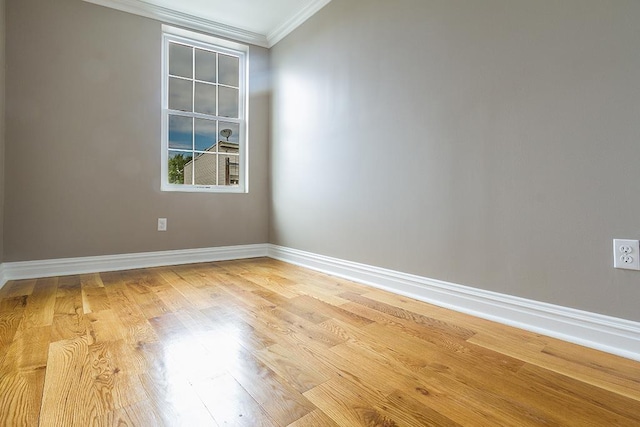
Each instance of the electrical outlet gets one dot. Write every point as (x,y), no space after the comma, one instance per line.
(626,254)
(162,224)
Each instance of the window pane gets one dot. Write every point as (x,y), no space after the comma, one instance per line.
(180,94)
(228,99)
(205,169)
(229,70)
(180,132)
(180,168)
(205,135)
(229,132)
(229,170)
(180,60)
(205,99)
(205,66)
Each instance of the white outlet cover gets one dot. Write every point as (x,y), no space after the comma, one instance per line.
(626,254)
(162,224)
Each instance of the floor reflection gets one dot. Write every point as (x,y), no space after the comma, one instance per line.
(197,372)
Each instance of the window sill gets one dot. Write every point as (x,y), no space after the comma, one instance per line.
(203,189)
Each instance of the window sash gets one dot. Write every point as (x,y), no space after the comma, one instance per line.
(207,43)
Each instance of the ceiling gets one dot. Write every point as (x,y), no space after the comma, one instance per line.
(261,22)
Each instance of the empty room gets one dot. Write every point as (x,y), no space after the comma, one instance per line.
(319,213)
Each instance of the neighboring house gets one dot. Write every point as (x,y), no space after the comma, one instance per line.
(217,168)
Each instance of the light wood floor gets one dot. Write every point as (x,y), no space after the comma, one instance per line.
(264,343)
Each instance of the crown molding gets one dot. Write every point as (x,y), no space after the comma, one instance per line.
(163,14)
(295,21)
(170,16)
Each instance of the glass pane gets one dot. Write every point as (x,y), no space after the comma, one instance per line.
(229,170)
(180,60)
(205,66)
(228,99)
(205,135)
(180,132)
(180,94)
(229,70)
(205,99)
(205,169)
(180,168)
(229,132)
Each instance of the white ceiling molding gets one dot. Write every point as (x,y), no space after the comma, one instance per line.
(171,16)
(295,21)
(188,20)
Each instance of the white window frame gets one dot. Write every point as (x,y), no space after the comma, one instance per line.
(198,40)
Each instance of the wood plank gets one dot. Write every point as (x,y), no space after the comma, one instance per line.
(9,322)
(383,375)
(199,297)
(138,329)
(347,406)
(171,396)
(84,374)
(295,370)
(29,349)
(320,281)
(314,419)
(590,375)
(625,375)
(248,336)
(409,412)
(146,300)
(20,397)
(17,288)
(69,286)
(230,404)
(106,326)
(256,308)
(330,311)
(283,403)
(185,351)
(12,304)
(590,402)
(22,372)
(138,414)
(69,321)
(404,327)
(434,325)
(459,374)
(272,282)
(94,296)
(69,325)
(69,385)
(40,306)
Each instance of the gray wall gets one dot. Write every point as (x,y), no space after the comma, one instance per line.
(83,141)
(2,126)
(510,130)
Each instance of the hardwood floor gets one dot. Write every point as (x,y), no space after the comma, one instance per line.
(264,343)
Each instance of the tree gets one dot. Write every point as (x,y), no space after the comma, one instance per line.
(176,168)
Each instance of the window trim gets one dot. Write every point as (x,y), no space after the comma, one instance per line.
(172,34)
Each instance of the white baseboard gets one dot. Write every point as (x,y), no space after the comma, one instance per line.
(609,334)
(68,266)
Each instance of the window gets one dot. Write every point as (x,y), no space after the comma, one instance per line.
(204,106)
